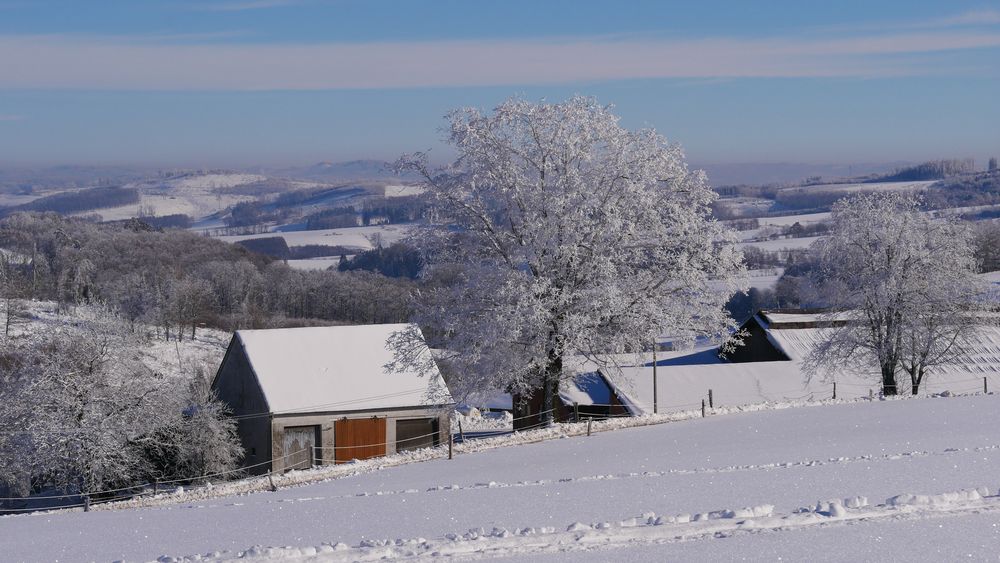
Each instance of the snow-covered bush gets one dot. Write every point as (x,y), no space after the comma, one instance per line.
(82,413)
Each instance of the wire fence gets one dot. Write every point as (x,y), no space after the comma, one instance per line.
(572,424)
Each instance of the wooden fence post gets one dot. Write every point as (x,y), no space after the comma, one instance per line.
(451,444)
(834,390)
(86,503)
(461,434)
(270,480)
(576,410)
(703,408)
(156,486)
(589,421)
(711,403)
(986,389)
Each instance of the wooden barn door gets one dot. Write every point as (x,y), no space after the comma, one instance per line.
(299,445)
(359,438)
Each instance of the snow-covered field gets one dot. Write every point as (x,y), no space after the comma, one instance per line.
(789,220)
(316,263)
(354,237)
(765,279)
(195,195)
(782,244)
(865,187)
(855,481)
(402,190)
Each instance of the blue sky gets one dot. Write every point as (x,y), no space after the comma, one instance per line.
(273,82)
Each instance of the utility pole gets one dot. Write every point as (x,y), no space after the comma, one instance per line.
(655,410)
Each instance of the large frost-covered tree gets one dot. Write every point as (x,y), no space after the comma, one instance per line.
(903,284)
(558,232)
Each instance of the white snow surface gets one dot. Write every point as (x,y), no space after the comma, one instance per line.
(315,263)
(781,243)
(851,187)
(195,195)
(337,368)
(353,237)
(402,190)
(817,483)
(789,220)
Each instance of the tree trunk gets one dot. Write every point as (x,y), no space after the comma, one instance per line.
(888,380)
(550,388)
(916,378)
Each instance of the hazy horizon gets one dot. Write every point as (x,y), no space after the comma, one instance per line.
(290,82)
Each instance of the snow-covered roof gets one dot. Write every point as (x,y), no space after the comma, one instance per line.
(339,368)
(980,355)
(776,318)
(588,387)
(682,387)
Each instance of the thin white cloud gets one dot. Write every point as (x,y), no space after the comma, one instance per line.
(9,117)
(242,5)
(73,62)
(971,18)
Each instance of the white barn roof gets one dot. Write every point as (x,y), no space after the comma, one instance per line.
(979,356)
(682,387)
(339,368)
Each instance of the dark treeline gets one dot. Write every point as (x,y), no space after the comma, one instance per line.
(277,247)
(790,291)
(973,189)
(175,221)
(334,218)
(251,213)
(83,200)
(988,246)
(396,261)
(933,170)
(177,280)
(406,209)
(396,210)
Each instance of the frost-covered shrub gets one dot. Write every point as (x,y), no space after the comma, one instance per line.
(83,414)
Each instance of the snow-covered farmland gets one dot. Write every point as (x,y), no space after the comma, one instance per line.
(315,263)
(402,190)
(782,243)
(353,237)
(195,195)
(765,279)
(763,485)
(851,187)
(214,181)
(789,220)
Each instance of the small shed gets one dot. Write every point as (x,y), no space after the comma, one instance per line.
(322,395)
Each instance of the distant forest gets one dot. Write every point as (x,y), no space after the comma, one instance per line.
(178,280)
(79,201)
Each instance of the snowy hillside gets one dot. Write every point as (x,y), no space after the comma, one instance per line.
(360,238)
(897,479)
(194,195)
(170,358)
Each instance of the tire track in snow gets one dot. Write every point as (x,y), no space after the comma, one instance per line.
(648,474)
(646,529)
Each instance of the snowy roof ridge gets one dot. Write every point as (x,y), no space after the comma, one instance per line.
(337,369)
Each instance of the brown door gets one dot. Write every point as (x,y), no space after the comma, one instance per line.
(359,438)
(299,446)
